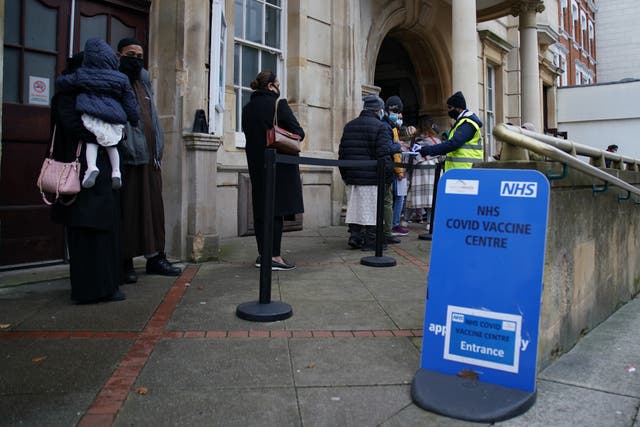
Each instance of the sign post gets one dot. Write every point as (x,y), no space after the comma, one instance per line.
(479,349)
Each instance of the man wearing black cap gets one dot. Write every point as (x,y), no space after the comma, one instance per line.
(463,147)
(364,138)
(141,158)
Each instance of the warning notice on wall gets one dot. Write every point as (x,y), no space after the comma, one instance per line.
(39,90)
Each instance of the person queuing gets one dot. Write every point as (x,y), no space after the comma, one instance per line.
(364,138)
(257,117)
(141,158)
(463,147)
(392,201)
(92,222)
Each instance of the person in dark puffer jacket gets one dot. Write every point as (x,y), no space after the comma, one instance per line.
(364,138)
(106,101)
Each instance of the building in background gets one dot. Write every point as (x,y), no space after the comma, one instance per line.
(203,54)
(576,48)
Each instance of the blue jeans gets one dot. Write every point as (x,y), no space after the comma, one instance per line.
(398,204)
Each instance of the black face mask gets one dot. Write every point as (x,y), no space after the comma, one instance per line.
(453,114)
(131,66)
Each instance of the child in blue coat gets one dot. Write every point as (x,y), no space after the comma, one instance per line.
(106,101)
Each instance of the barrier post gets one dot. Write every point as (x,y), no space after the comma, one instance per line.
(379,260)
(265,310)
(436,179)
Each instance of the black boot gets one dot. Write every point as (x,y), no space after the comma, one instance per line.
(128,272)
(356,238)
(370,239)
(160,265)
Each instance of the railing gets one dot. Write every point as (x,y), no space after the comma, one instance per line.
(566,152)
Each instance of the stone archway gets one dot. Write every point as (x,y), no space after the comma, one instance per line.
(408,54)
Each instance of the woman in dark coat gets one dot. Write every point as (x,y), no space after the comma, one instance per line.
(257,117)
(93,220)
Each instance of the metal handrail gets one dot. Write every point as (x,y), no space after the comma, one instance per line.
(565,151)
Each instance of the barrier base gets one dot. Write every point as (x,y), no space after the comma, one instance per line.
(468,400)
(425,236)
(269,312)
(378,261)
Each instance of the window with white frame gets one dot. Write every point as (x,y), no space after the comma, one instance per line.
(574,18)
(259,35)
(490,110)
(563,66)
(591,37)
(217,67)
(583,28)
(563,13)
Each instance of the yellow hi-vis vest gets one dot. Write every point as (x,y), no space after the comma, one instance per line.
(468,154)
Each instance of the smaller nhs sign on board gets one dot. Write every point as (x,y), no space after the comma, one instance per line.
(518,189)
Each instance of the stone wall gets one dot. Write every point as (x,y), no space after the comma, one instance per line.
(591,260)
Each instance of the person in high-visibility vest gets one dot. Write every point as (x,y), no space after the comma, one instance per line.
(463,146)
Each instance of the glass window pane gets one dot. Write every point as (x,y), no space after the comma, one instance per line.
(12,22)
(254,21)
(11,76)
(92,26)
(272,30)
(269,62)
(246,97)
(120,31)
(236,64)
(274,2)
(39,65)
(239,18)
(249,65)
(41,26)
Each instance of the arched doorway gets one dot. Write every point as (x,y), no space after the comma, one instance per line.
(395,75)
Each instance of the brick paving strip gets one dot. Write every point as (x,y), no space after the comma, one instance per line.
(113,394)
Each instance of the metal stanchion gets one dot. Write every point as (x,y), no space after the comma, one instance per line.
(265,310)
(378,260)
(429,234)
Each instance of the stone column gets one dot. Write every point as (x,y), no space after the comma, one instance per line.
(203,241)
(530,72)
(464,55)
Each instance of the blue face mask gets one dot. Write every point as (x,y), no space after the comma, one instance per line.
(399,122)
(393,117)
(381,114)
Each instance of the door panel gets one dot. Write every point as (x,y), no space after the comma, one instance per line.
(36,45)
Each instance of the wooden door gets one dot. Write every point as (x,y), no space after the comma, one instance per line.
(37,41)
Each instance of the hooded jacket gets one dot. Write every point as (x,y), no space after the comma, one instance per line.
(103,91)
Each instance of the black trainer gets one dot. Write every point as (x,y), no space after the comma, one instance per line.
(282,266)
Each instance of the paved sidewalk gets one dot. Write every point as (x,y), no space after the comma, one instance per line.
(175,354)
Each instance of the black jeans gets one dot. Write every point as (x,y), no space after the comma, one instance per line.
(277,234)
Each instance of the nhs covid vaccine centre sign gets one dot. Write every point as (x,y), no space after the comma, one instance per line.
(479,349)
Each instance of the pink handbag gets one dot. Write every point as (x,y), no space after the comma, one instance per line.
(59,178)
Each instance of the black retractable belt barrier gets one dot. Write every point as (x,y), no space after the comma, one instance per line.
(379,260)
(265,310)
(429,235)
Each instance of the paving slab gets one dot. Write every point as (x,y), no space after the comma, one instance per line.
(599,361)
(351,406)
(565,405)
(179,365)
(244,407)
(32,409)
(55,366)
(353,361)
(413,416)
(337,315)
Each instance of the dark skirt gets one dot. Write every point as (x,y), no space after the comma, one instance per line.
(96,263)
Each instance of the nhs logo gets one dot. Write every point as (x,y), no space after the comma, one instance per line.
(518,189)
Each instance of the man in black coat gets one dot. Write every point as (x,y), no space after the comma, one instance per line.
(364,138)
